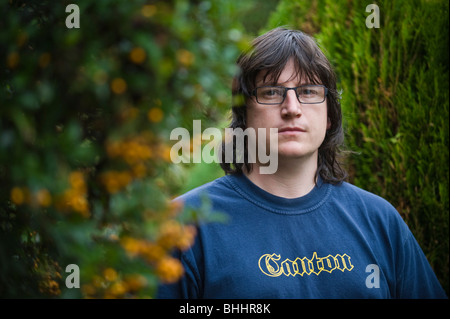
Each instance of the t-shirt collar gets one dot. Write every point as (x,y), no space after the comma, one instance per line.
(276,204)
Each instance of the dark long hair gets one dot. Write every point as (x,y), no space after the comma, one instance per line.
(269,54)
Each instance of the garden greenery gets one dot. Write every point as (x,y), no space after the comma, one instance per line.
(85,119)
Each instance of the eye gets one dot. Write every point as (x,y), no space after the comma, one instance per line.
(308,92)
(271,92)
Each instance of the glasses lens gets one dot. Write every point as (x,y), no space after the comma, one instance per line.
(311,94)
(270,94)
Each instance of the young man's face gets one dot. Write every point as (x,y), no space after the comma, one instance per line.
(309,121)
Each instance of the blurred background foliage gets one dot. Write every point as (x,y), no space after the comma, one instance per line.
(85,119)
(395,99)
(86,115)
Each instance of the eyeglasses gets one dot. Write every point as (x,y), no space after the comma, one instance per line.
(306,94)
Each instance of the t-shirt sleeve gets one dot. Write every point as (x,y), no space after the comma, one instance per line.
(415,277)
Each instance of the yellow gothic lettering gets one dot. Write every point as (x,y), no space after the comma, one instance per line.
(269,265)
(268,261)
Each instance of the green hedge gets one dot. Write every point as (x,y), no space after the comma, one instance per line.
(395,99)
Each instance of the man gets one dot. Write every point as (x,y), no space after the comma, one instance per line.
(301,232)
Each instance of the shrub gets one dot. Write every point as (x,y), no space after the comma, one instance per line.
(85,120)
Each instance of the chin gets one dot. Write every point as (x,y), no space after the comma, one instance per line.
(290,152)
(293,151)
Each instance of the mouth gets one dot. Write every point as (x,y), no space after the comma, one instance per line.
(291,130)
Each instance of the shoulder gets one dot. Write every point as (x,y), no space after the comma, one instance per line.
(216,190)
(366,205)
(369,208)
(361,196)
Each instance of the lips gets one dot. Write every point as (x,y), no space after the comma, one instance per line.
(291,130)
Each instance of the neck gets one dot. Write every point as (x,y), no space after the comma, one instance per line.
(294,177)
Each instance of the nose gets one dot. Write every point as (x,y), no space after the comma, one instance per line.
(291,106)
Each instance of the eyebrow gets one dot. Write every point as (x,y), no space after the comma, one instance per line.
(277,83)
(267,78)
(298,84)
(302,83)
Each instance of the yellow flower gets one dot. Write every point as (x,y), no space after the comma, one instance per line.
(49,287)
(53,287)
(79,204)
(187,238)
(131,245)
(155,114)
(115,181)
(118,86)
(173,234)
(137,55)
(136,151)
(169,234)
(17,195)
(152,252)
(117,289)
(88,290)
(185,57)
(110,274)
(114,149)
(124,178)
(76,180)
(163,151)
(135,282)
(74,198)
(169,270)
(139,170)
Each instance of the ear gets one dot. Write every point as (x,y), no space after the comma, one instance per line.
(328,123)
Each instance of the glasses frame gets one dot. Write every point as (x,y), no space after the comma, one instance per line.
(286,89)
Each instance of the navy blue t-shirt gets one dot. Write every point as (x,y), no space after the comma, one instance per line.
(338,241)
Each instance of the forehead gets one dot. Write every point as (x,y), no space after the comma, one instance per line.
(291,72)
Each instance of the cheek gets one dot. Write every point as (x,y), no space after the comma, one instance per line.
(318,123)
(250,117)
(257,117)
(326,124)
(323,118)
